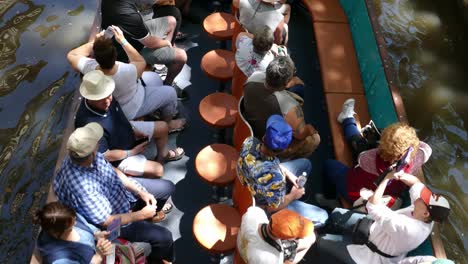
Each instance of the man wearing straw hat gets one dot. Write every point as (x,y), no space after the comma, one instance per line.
(90,185)
(120,144)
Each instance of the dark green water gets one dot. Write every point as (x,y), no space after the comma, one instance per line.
(36,85)
(427,41)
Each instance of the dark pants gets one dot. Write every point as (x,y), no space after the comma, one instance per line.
(160,189)
(160,239)
(169,10)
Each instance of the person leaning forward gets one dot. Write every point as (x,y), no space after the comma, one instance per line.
(119,143)
(266,95)
(90,185)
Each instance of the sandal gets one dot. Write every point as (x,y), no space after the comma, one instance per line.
(179,128)
(159,217)
(180,36)
(177,154)
(167,208)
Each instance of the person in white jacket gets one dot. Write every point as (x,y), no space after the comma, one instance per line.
(391,234)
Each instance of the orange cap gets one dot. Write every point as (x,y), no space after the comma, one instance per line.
(287,224)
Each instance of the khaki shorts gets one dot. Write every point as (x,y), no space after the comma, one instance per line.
(166,55)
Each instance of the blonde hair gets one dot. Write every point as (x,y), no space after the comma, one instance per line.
(395,140)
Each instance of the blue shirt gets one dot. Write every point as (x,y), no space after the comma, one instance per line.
(118,132)
(261,173)
(95,192)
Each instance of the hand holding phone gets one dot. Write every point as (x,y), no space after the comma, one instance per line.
(114,229)
(109,33)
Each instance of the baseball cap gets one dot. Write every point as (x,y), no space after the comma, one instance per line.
(82,142)
(438,205)
(287,224)
(278,133)
(96,85)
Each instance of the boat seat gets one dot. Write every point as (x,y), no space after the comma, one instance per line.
(338,63)
(242,128)
(237,258)
(218,110)
(220,25)
(241,197)
(218,64)
(215,228)
(326,11)
(334,104)
(238,81)
(216,164)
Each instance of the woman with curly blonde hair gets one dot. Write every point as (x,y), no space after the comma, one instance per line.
(395,140)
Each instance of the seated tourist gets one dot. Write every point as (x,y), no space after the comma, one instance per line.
(139,92)
(265,95)
(255,52)
(384,236)
(283,239)
(66,237)
(274,184)
(395,140)
(152,38)
(124,141)
(254,14)
(87,183)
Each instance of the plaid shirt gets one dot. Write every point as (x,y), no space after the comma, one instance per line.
(95,192)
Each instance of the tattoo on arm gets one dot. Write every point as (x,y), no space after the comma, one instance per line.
(300,118)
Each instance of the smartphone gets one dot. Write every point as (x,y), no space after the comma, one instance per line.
(114,229)
(301,180)
(141,140)
(404,160)
(109,33)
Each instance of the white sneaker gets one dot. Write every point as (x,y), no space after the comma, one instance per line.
(348,110)
(324,202)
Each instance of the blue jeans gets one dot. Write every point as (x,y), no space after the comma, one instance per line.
(350,128)
(160,239)
(332,247)
(315,214)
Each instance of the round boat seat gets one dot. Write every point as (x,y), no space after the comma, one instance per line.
(220,25)
(218,64)
(215,228)
(216,164)
(218,110)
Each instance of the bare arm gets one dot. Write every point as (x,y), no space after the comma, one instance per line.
(295,118)
(75,55)
(120,154)
(133,56)
(377,197)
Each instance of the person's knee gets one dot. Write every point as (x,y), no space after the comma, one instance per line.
(167,189)
(154,169)
(171,22)
(180,56)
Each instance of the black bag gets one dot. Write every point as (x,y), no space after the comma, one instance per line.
(361,231)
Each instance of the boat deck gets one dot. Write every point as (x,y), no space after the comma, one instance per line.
(192,193)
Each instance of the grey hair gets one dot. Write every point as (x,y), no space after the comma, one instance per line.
(279,72)
(263,40)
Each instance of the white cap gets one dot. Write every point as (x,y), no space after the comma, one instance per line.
(83,141)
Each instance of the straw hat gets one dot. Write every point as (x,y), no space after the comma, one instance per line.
(83,141)
(96,86)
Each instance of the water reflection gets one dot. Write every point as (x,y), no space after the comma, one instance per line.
(427,43)
(36,85)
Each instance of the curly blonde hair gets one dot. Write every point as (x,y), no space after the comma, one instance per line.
(395,140)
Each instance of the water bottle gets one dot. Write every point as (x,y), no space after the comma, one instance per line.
(302,179)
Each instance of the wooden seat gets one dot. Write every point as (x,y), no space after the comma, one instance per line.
(326,11)
(218,64)
(237,258)
(242,129)
(215,228)
(216,164)
(334,104)
(218,110)
(220,25)
(241,197)
(338,62)
(238,81)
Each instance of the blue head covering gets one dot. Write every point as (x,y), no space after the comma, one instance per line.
(278,133)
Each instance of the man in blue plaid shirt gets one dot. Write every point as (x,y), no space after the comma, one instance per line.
(89,184)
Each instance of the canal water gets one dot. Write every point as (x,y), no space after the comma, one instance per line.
(36,86)
(427,42)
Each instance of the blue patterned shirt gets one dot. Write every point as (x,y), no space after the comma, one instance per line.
(262,174)
(95,192)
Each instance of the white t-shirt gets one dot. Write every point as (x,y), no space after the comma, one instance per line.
(393,232)
(248,61)
(266,15)
(129,92)
(251,246)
